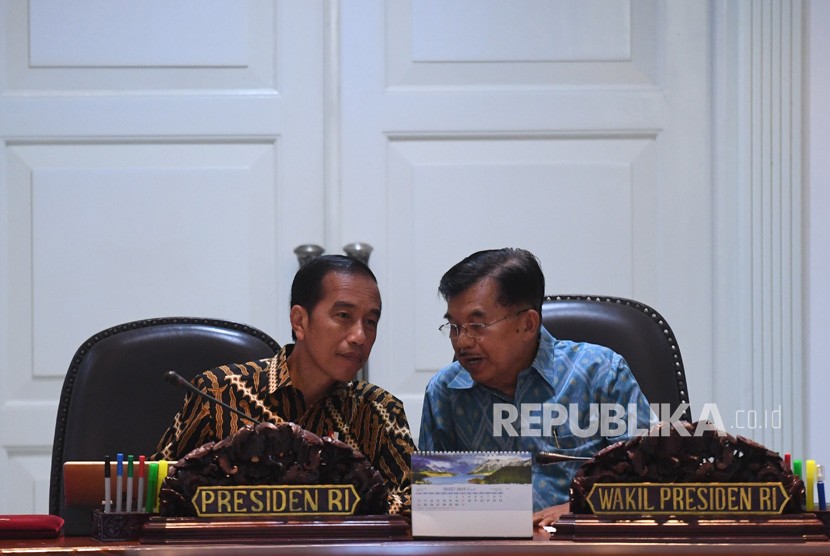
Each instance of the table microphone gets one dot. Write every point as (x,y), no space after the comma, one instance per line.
(175,378)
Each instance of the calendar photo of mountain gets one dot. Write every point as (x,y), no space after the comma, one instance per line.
(471,468)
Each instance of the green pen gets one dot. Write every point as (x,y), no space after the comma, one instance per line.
(797,468)
(152,479)
(129,483)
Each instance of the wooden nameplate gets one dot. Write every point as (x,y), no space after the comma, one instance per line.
(723,528)
(289,530)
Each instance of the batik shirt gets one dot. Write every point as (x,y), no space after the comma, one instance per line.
(459,414)
(364,416)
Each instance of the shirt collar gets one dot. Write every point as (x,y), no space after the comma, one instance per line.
(462,380)
(542,364)
(279,377)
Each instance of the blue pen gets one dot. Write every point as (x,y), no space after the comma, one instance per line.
(119,478)
(822,502)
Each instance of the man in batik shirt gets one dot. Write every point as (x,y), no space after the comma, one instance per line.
(335,308)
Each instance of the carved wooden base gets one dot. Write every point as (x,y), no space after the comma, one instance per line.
(776,529)
(183,530)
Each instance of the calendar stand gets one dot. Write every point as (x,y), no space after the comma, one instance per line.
(453,492)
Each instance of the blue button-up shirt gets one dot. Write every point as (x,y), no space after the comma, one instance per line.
(550,411)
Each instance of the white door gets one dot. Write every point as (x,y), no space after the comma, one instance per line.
(158,159)
(576,129)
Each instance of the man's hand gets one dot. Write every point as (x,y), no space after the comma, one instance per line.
(549,515)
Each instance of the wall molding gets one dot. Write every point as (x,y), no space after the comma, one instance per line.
(758,142)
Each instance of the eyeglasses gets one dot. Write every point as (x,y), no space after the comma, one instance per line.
(473,329)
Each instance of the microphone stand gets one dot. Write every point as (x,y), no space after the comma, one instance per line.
(545,458)
(176,379)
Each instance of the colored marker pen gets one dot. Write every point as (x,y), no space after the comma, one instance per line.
(162,474)
(119,478)
(810,484)
(129,483)
(152,479)
(797,471)
(164,467)
(139,505)
(107,487)
(822,502)
(788,461)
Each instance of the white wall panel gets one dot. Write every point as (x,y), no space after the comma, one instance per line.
(145,230)
(521,31)
(28,477)
(133,46)
(526,43)
(26,437)
(562,188)
(121,33)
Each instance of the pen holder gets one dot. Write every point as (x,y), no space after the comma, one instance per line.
(824,517)
(122,526)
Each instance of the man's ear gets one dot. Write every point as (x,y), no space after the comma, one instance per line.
(530,322)
(299,321)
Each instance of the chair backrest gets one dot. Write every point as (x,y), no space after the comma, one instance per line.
(114,397)
(634,330)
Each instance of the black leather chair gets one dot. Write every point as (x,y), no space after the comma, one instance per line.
(114,398)
(634,330)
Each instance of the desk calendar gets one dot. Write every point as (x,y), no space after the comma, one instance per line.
(472,494)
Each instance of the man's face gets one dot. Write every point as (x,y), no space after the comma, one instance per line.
(495,355)
(337,336)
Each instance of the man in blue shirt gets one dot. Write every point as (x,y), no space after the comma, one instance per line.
(513,386)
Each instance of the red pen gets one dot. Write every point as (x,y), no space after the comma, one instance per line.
(788,465)
(140,499)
